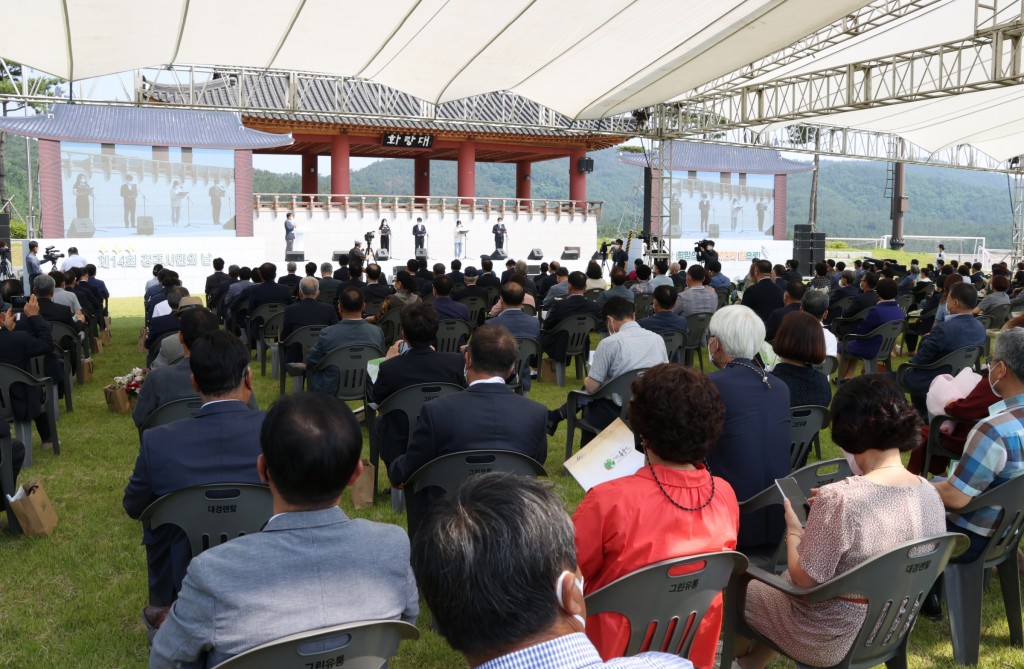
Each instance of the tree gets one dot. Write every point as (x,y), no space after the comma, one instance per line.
(14,83)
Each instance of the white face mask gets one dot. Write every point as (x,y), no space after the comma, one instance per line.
(851,460)
(558,594)
(991,383)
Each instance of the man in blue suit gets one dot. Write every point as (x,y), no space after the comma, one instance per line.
(511,315)
(310,567)
(446,307)
(219,445)
(959,329)
(664,321)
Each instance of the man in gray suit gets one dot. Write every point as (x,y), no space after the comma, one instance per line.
(351,330)
(310,567)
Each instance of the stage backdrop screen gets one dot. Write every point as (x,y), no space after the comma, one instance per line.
(113,190)
(707,207)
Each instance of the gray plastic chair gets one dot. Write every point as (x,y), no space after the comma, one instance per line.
(350,361)
(154,350)
(7,483)
(271,320)
(391,325)
(9,375)
(674,606)
(211,515)
(593,294)
(529,310)
(619,388)
(62,333)
(409,401)
(578,329)
(696,327)
(828,366)
(804,424)
(894,584)
(452,333)
(305,337)
(528,349)
(904,302)
(362,645)
(477,307)
(934,445)
(449,471)
(170,412)
(675,343)
(842,326)
(964,584)
(642,305)
(372,306)
(951,363)
(889,332)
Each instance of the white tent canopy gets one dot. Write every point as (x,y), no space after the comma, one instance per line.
(583,58)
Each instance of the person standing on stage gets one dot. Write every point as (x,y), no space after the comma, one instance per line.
(499,231)
(385,235)
(129,193)
(289,232)
(762,208)
(176,197)
(217,193)
(419,234)
(460,238)
(735,212)
(705,210)
(82,192)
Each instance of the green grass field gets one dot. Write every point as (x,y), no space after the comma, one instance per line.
(74,599)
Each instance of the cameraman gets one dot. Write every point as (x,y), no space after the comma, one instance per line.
(32,266)
(706,252)
(356,254)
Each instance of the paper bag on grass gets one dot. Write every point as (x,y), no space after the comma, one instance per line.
(34,511)
(105,338)
(87,369)
(610,455)
(117,400)
(141,346)
(362,489)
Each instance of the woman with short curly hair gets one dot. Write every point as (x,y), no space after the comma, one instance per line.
(672,507)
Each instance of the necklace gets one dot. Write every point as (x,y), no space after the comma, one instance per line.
(760,372)
(883,467)
(677,504)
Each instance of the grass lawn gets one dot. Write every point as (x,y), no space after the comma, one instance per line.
(74,599)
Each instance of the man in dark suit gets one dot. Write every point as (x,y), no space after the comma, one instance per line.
(487,277)
(376,289)
(795,291)
(328,284)
(456,274)
(341,274)
(161,326)
(217,297)
(89,296)
(410,361)
(174,382)
(499,231)
(510,269)
(492,416)
(555,343)
(424,277)
(307,311)
(847,288)
(268,292)
(959,329)
(764,296)
(545,281)
(472,288)
(511,315)
(867,298)
(446,307)
(20,343)
(664,321)
(42,288)
(419,234)
(792,274)
(219,445)
(291,279)
(216,278)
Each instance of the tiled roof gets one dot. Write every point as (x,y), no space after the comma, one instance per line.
(139,125)
(701,157)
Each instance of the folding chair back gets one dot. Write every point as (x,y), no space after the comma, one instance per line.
(372,306)
(350,362)
(666,601)
(305,337)
(618,390)
(528,348)
(268,330)
(66,339)
(888,332)
(170,412)
(391,325)
(363,645)
(578,329)
(210,515)
(804,424)
(593,294)
(828,366)
(955,361)
(451,333)
(904,302)
(11,375)
(696,327)
(675,342)
(476,306)
(642,305)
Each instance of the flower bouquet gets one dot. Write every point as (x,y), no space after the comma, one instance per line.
(122,394)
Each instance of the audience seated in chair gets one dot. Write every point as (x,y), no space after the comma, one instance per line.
(575,304)
(405,294)
(794,293)
(884,311)
(628,347)
(800,344)
(307,311)
(851,521)
(560,287)
(763,295)
(446,307)
(618,289)
(528,299)
(218,445)
(310,567)
(376,287)
(161,326)
(671,508)
(815,303)
(664,321)
(488,560)
(491,415)
(351,330)
(18,345)
(698,298)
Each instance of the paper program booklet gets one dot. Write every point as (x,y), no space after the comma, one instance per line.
(610,455)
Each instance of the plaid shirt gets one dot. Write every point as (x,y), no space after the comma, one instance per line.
(574,651)
(993,455)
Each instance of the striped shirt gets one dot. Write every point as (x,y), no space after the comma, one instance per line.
(574,651)
(993,455)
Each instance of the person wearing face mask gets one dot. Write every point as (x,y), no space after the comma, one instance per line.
(496,563)
(671,508)
(628,347)
(850,522)
(753,450)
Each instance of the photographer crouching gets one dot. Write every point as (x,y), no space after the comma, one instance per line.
(706,252)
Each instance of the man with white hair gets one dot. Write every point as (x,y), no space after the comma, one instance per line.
(307,311)
(815,302)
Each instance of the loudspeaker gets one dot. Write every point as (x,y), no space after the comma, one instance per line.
(535,254)
(143,225)
(295,256)
(713,230)
(336,256)
(421,253)
(498,255)
(81,227)
(585,165)
(571,253)
(5,226)
(382,254)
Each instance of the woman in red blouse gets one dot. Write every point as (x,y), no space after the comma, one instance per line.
(670,508)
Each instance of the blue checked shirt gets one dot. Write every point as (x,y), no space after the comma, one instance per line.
(993,455)
(574,651)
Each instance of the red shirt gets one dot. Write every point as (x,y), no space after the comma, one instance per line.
(627,524)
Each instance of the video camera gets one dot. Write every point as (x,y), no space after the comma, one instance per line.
(369,236)
(51,255)
(701,247)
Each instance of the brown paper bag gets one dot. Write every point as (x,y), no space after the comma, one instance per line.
(105,338)
(117,400)
(142,340)
(34,512)
(87,369)
(547,371)
(362,490)
(97,346)
(106,322)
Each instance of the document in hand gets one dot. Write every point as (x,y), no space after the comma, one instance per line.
(610,455)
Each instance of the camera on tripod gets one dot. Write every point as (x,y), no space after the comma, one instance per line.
(369,236)
(52,254)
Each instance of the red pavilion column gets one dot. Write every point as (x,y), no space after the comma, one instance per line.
(309,176)
(577,179)
(523,169)
(341,183)
(467,172)
(421,181)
